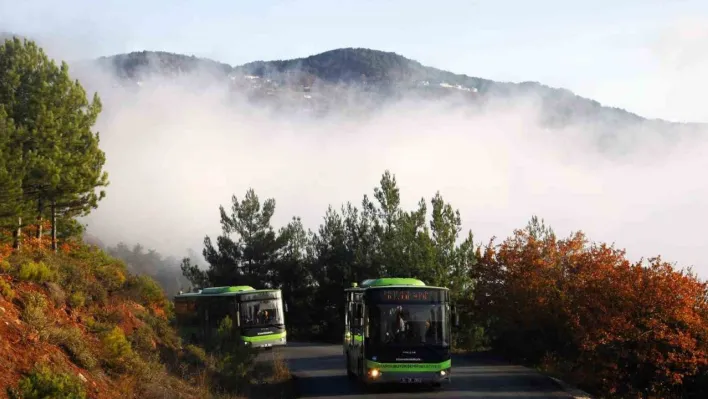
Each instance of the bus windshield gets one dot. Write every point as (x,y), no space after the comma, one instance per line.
(410,324)
(262,312)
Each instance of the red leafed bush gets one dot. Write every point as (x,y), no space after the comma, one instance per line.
(618,328)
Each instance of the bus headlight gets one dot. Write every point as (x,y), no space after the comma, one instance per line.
(374,373)
(444,373)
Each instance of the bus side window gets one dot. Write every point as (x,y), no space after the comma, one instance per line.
(237,313)
(357,310)
(349,315)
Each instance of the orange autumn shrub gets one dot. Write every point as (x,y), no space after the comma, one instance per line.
(618,328)
(33,246)
(519,292)
(5,251)
(650,332)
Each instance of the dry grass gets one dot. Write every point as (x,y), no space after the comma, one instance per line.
(280,370)
(272,379)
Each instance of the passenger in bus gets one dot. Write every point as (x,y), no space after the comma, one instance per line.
(266,316)
(400,326)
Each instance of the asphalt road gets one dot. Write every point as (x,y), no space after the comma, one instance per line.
(321,374)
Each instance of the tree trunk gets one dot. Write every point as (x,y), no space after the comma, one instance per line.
(39,218)
(17,235)
(54,226)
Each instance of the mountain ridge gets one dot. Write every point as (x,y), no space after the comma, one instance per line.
(314,82)
(377,71)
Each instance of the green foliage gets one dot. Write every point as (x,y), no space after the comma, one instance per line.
(110,317)
(57,294)
(6,290)
(38,272)
(74,343)
(355,65)
(97,293)
(249,258)
(111,276)
(11,172)
(146,291)
(74,277)
(34,313)
(150,263)
(134,64)
(117,349)
(236,361)
(43,383)
(98,327)
(77,300)
(50,159)
(142,340)
(163,331)
(195,355)
(312,268)
(4,266)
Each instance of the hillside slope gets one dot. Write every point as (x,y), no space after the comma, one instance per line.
(78,316)
(78,323)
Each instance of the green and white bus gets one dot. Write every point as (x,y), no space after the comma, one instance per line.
(259,315)
(398,330)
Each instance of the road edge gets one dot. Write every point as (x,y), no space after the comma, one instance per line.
(295,386)
(571,390)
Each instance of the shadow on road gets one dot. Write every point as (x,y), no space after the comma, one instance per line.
(499,386)
(320,373)
(328,385)
(335,362)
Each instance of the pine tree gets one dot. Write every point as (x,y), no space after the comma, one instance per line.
(12,206)
(59,155)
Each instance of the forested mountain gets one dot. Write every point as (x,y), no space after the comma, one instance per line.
(379,76)
(132,65)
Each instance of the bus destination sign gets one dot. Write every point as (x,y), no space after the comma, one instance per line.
(398,295)
(406,295)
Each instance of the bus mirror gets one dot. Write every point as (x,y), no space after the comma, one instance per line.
(285,305)
(457,320)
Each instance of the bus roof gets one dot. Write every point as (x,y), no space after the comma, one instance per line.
(390,282)
(225,291)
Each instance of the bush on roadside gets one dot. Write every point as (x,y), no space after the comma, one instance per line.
(6,290)
(74,343)
(76,300)
(117,349)
(34,313)
(619,328)
(38,272)
(44,383)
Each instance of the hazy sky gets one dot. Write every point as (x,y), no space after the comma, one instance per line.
(187,153)
(607,50)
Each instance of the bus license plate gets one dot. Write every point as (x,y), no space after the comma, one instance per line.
(411,380)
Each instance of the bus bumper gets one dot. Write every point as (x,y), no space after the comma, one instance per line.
(426,377)
(282,341)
